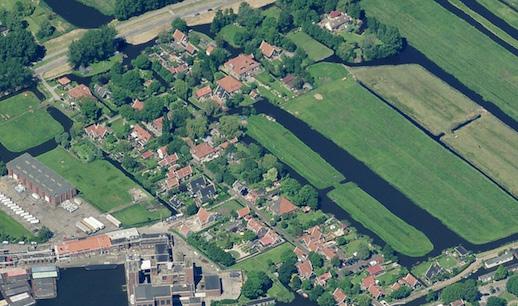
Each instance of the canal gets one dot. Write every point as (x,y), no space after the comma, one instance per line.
(78,14)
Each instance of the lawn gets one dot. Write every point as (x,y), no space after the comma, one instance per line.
(363,208)
(391,146)
(324,73)
(292,151)
(419,94)
(138,215)
(100,183)
(506,12)
(229,33)
(11,230)
(107,7)
(101,67)
(492,146)
(449,41)
(273,11)
(315,50)
(420,269)
(17,105)
(28,130)
(227,208)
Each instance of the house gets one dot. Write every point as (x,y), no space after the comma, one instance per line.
(203,152)
(227,86)
(209,50)
(168,160)
(305,269)
(79,92)
(185,230)
(496,261)
(270,238)
(241,213)
(96,131)
(190,48)
(328,252)
(339,296)
(433,271)
(315,233)
(101,92)
(137,105)
(461,251)
(289,81)
(64,81)
(203,92)
(301,255)
(242,66)
(457,303)
(257,227)
(180,37)
(204,217)
(171,182)
(268,50)
(376,292)
(158,124)
(282,206)
(141,135)
(375,270)
(322,279)
(162,152)
(368,282)
(335,20)
(179,69)
(205,194)
(410,281)
(183,172)
(147,154)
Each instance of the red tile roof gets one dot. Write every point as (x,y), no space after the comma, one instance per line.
(305,269)
(147,154)
(183,172)
(204,91)
(209,49)
(301,255)
(368,282)
(334,14)
(15,272)
(158,123)
(241,64)
(185,230)
(241,213)
(162,151)
(141,133)
(339,295)
(229,84)
(190,48)
(179,36)
(315,232)
(270,238)
(410,280)
(375,270)
(180,68)
(322,279)
(202,150)
(83,245)
(64,81)
(168,160)
(138,105)
(254,225)
(283,206)
(80,91)
(328,252)
(203,216)
(171,183)
(267,49)
(96,131)
(375,291)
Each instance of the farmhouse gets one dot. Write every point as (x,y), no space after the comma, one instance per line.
(305,269)
(335,20)
(269,51)
(227,86)
(203,92)
(242,66)
(203,152)
(64,81)
(141,135)
(41,180)
(179,37)
(80,91)
(96,131)
(282,206)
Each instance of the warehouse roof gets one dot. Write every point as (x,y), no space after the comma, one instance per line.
(52,183)
(148,292)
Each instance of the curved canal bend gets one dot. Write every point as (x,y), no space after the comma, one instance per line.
(78,14)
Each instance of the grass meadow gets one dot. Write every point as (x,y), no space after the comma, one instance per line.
(139,215)
(11,230)
(407,158)
(315,50)
(457,47)
(500,9)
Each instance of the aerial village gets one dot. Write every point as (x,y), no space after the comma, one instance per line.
(175,121)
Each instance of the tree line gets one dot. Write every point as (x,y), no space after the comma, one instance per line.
(124,9)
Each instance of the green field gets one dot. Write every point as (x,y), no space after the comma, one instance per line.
(102,66)
(100,183)
(373,215)
(503,11)
(107,7)
(492,146)
(28,130)
(17,105)
(228,208)
(138,215)
(324,73)
(447,40)
(292,151)
(315,50)
(11,230)
(229,34)
(405,157)
(419,94)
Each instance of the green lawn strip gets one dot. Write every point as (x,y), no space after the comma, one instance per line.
(100,183)
(373,215)
(28,130)
(503,11)
(448,41)
(315,50)
(17,105)
(11,230)
(100,67)
(138,215)
(107,7)
(229,32)
(405,157)
(485,23)
(419,94)
(227,208)
(324,73)
(291,150)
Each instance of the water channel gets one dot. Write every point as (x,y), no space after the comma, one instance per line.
(78,14)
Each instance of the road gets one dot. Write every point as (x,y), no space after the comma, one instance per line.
(145,27)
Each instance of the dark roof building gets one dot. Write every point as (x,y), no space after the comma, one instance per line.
(40,179)
(147,294)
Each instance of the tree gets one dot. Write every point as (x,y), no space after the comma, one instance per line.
(19,44)
(197,127)
(125,9)
(285,23)
(315,293)
(317,260)
(363,300)
(512,285)
(467,291)
(290,187)
(401,293)
(46,30)
(95,45)
(3,168)
(388,253)
(287,268)
(256,284)
(307,196)
(363,251)
(63,139)
(191,209)
(496,301)
(229,126)
(141,62)
(500,273)
(44,234)
(179,24)
(336,262)
(13,74)
(295,283)
(326,299)
(129,163)
(89,109)
(182,89)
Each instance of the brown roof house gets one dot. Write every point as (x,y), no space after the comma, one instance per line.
(282,206)
(180,37)
(269,51)
(141,135)
(336,20)
(96,131)
(204,217)
(137,105)
(80,91)
(339,296)
(227,87)
(64,81)
(242,66)
(203,152)
(203,92)
(305,269)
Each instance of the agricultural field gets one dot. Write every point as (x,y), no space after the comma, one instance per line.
(23,124)
(373,215)
(138,215)
(107,7)
(229,33)
(448,41)
(98,182)
(11,230)
(292,151)
(419,94)
(391,146)
(324,73)
(506,12)
(315,50)
(492,146)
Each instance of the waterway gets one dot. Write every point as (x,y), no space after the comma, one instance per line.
(78,14)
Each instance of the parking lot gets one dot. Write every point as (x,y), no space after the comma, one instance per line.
(57,219)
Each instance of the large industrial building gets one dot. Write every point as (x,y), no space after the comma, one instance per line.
(41,180)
